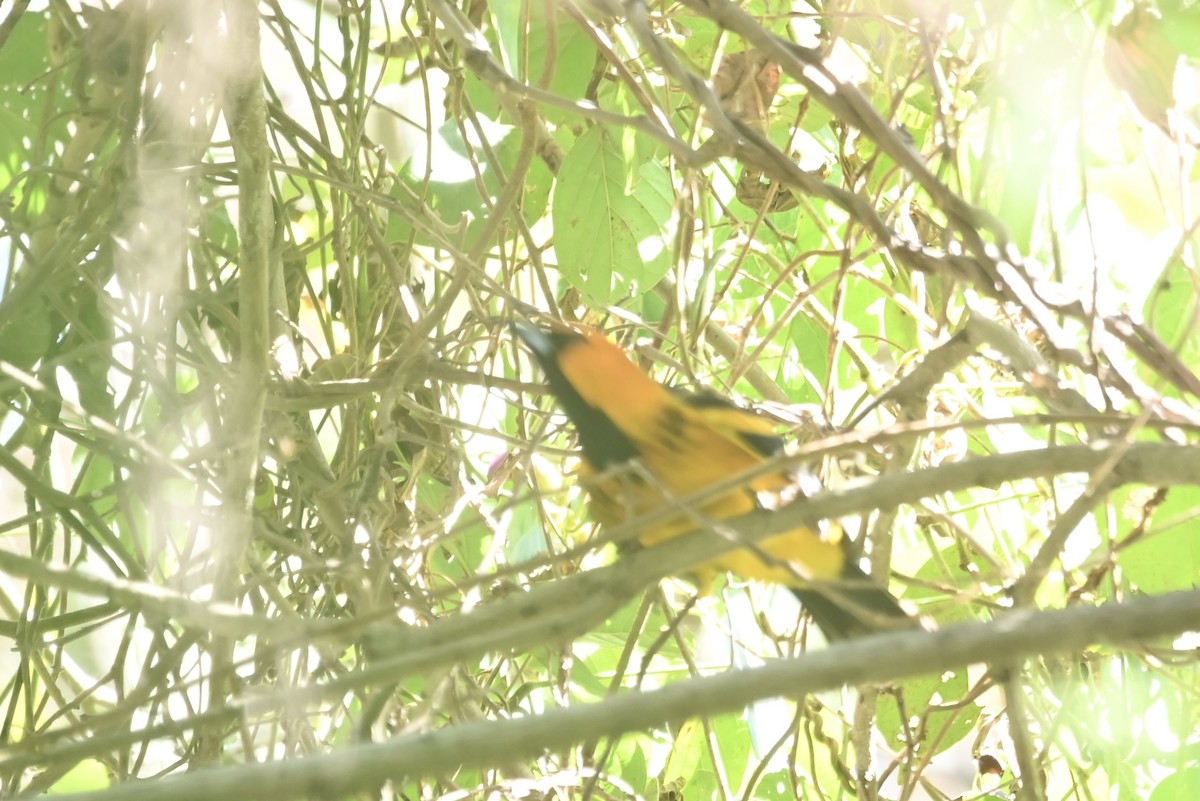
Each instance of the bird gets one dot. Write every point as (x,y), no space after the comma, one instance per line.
(643,445)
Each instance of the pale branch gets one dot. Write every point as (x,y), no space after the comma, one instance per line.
(1028,771)
(976,333)
(159,605)
(10,22)
(1153,352)
(243,407)
(570,606)
(561,610)
(848,104)
(995,268)
(242,413)
(1143,463)
(871,660)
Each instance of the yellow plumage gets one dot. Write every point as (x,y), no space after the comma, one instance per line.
(684,444)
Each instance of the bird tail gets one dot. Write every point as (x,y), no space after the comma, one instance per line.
(852,606)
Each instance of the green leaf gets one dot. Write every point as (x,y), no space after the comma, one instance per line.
(775,787)
(89,775)
(732,734)
(585,685)
(685,761)
(811,354)
(1182,29)
(457,168)
(630,760)
(1181,786)
(572,53)
(15,130)
(937,728)
(1168,558)
(527,40)
(28,336)
(948,568)
(87,363)
(24,57)
(612,221)
(526,537)
(698,37)
(1171,313)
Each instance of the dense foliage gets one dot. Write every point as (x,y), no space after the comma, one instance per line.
(277,482)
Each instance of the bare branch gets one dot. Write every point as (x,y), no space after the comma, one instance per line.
(871,660)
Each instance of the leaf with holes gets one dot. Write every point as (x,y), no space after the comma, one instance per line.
(612,220)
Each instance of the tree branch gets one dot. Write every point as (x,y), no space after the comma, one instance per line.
(870,660)
(564,609)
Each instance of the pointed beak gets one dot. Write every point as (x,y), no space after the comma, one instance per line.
(537,340)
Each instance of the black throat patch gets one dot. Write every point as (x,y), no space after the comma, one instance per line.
(602,443)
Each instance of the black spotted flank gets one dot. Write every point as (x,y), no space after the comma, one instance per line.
(671,430)
(763,444)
